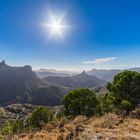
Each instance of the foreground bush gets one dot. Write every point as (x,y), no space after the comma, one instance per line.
(81,102)
(7,129)
(40,115)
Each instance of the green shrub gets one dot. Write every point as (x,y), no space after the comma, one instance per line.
(80,102)
(40,115)
(11,128)
(7,129)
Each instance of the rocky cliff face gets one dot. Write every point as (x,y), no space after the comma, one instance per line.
(21,85)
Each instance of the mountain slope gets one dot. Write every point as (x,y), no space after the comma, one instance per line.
(81,80)
(21,85)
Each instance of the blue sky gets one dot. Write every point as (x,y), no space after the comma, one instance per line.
(100,34)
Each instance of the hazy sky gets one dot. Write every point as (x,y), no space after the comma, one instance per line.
(99,33)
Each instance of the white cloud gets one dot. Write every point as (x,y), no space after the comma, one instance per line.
(99,60)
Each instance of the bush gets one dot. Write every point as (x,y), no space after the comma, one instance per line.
(11,128)
(40,115)
(7,129)
(80,102)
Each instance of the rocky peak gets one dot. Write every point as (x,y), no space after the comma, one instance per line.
(83,73)
(3,62)
(3,65)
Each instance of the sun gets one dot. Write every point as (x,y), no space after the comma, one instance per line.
(56,26)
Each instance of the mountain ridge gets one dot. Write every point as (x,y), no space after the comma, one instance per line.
(21,85)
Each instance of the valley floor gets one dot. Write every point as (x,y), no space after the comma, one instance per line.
(108,127)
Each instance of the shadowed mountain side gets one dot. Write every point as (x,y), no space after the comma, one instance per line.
(21,85)
(81,80)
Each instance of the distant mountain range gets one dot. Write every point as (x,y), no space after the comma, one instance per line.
(102,74)
(108,75)
(80,80)
(21,85)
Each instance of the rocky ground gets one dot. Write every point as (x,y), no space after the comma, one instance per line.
(108,127)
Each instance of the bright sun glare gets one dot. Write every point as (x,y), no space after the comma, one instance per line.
(56,26)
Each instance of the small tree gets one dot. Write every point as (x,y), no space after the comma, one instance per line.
(126,86)
(80,102)
(40,115)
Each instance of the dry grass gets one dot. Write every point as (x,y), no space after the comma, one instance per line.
(108,127)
